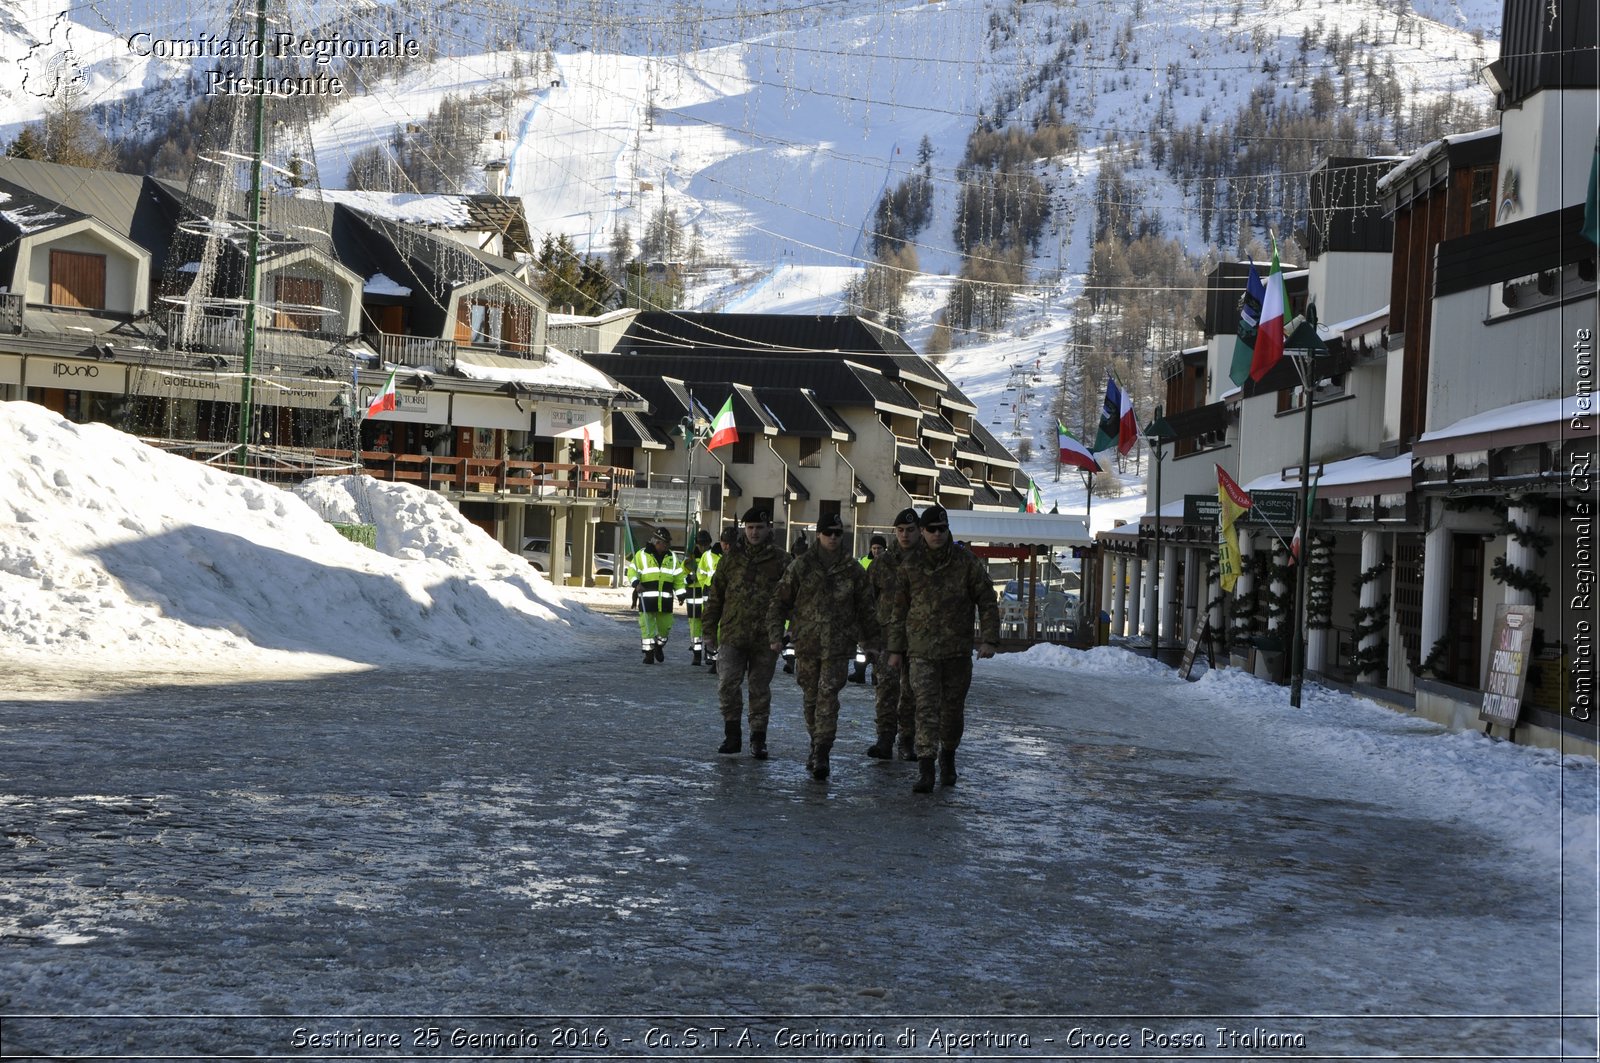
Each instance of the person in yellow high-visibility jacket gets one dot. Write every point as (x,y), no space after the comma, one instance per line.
(657,578)
(698,568)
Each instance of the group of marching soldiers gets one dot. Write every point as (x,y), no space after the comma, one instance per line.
(907,606)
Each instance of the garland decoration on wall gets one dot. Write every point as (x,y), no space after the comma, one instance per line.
(1372,620)
(1319,583)
(1523,579)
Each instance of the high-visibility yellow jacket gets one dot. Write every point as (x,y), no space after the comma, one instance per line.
(657,579)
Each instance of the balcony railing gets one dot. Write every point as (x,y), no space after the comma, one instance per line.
(554,480)
(419,352)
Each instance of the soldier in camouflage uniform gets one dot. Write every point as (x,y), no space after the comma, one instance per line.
(896,705)
(827,596)
(930,626)
(736,630)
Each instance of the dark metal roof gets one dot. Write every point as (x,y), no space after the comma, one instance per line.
(933,424)
(1429,170)
(795,413)
(910,456)
(828,377)
(628,428)
(1346,211)
(796,488)
(993,450)
(951,481)
(760,334)
(983,494)
(1548,44)
(887,394)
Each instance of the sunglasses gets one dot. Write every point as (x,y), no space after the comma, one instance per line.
(830,534)
(937,528)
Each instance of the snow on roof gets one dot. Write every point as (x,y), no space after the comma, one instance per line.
(1404,165)
(379,284)
(1363,468)
(1355,323)
(559,369)
(591,319)
(31,219)
(411,208)
(1516,415)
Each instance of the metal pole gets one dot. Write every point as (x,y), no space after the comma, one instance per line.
(688,491)
(1155,559)
(253,241)
(1303,526)
(1083,561)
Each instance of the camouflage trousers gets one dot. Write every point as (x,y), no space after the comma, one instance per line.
(821,679)
(940,686)
(654,627)
(896,705)
(734,663)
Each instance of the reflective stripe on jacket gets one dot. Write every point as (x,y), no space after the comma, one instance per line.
(658,578)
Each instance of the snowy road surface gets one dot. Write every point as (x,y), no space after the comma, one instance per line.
(312,868)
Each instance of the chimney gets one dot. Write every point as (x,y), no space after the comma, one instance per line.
(494,177)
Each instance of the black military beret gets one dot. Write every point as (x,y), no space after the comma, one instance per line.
(934,515)
(906,516)
(756,515)
(831,523)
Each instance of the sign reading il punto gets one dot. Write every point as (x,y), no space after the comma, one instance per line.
(320,51)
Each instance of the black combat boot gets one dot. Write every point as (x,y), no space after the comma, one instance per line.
(711,660)
(758,744)
(661,650)
(947,767)
(883,748)
(858,671)
(649,657)
(696,661)
(819,760)
(730,737)
(908,747)
(924,784)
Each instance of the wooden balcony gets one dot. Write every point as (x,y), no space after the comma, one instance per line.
(466,477)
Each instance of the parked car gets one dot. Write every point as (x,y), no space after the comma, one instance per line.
(537,551)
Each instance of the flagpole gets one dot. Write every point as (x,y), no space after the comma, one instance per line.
(1303,363)
(1083,559)
(1155,560)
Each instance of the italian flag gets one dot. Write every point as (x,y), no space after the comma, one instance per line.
(722,430)
(1035,501)
(1073,452)
(1274,311)
(385,399)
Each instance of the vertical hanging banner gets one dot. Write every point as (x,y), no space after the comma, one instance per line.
(1507,672)
(1235,500)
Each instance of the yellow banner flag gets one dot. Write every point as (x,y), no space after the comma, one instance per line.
(1235,500)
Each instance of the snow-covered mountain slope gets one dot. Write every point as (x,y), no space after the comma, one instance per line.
(771,129)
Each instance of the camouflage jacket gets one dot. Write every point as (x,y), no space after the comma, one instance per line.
(828,602)
(930,614)
(883,575)
(741,591)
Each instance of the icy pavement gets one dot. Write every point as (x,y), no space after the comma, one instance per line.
(311,868)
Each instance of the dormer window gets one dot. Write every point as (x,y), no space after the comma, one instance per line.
(77,279)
